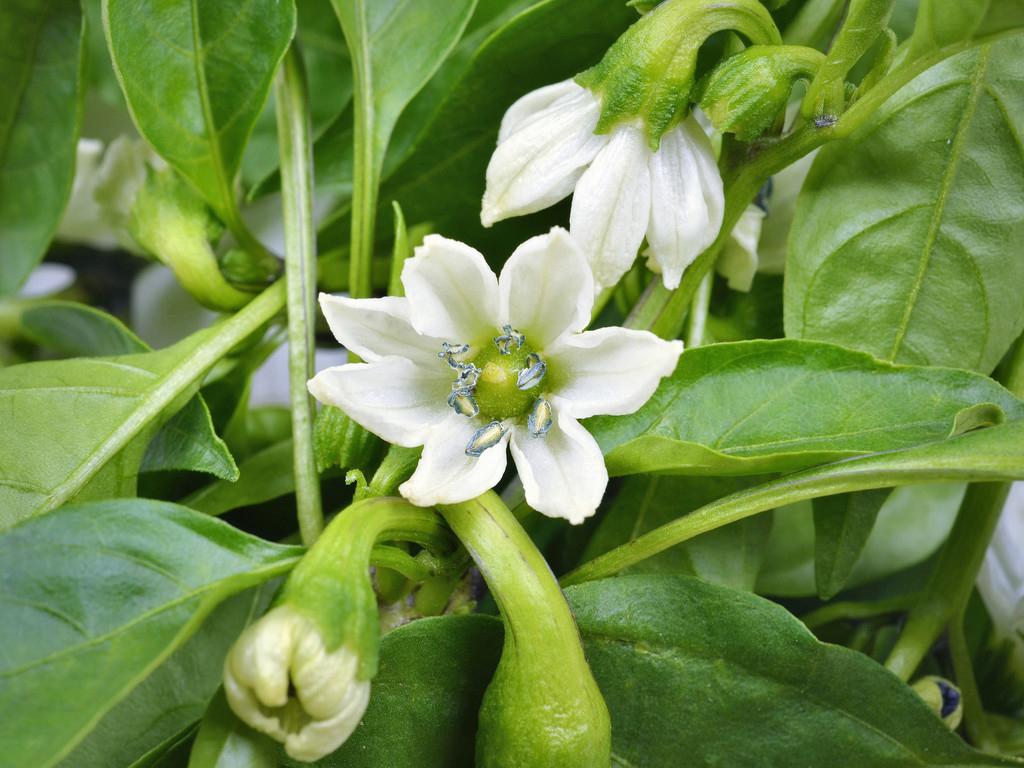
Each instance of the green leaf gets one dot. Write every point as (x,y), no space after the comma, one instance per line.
(260,479)
(940,24)
(40,111)
(728,678)
(771,406)
(842,526)
(78,330)
(911,525)
(224,741)
(423,710)
(188,442)
(425,32)
(114,405)
(982,455)
(196,75)
(903,244)
(94,597)
(441,177)
(730,555)
(151,719)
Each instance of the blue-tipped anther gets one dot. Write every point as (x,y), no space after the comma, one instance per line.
(540,419)
(463,402)
(486,437)
(534,371)
(510,339)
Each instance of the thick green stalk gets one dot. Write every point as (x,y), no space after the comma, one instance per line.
(542,708)
(975,719)
(295,139)
(698,315)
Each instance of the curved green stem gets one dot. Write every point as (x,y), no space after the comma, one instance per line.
(295,138)
(542,707)
(826,614)
(975,719)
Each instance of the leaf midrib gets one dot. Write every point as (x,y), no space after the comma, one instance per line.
(938,215)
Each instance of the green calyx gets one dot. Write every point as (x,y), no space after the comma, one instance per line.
(497,392)
(747,92)
(649,72)
(171,222)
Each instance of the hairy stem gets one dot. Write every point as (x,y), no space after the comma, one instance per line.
(294,137)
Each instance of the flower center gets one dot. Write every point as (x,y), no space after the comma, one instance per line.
(500,381)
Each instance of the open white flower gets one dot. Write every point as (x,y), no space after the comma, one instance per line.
(280,679)
(468,362)
(622,189)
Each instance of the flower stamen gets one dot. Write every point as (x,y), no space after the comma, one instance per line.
(510,336)
(486,437)
(531,375)
(463,402)
(540,419)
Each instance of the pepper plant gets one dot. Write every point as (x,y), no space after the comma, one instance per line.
(737,285)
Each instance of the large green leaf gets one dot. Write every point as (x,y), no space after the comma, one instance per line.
(442,177)
(87,421)
(906,237)
(941,24)
(768,406)
(727,678)
(424,31)
(730,555)
(40,109)
(94,597)
(423,710)
(171,699)
(196,75)
(187,441)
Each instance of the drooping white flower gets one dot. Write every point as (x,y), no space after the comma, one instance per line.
(738,261)
(280,679)
(623,191)
(468,363)
(1001,578)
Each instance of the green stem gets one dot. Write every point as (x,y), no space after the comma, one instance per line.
(975,719)
(542,706)
(364,172)
(961,557)
(295,138)
(826,614)
(698,314)
(400,561)
(928,463)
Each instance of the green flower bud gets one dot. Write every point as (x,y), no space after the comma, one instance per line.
(943,697)
(747,92)
(648,72)
(542,708)
(302,672)
(173,224)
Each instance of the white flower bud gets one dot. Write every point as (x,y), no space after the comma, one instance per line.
(281,680)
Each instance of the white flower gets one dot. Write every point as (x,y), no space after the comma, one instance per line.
(1001,578)
(469,363)
(622,190)
(738,261)
(281,680)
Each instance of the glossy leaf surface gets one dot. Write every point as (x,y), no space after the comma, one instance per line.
(94,597)
(766,406)
(40,104)
(906,238)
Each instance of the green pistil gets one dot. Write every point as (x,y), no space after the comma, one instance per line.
(496,391)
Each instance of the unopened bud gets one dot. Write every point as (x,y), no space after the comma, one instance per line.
(747,92)
(943,697)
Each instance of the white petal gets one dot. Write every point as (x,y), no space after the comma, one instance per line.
(687,202)
(452,292)
(445,474)
(542,154)
(547,288)
(612,204)
(563,472)
(611,371)
(533,106)
(376,328)
(738,260)
(393,397)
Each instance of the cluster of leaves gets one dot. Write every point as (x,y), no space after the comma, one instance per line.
(121,591)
